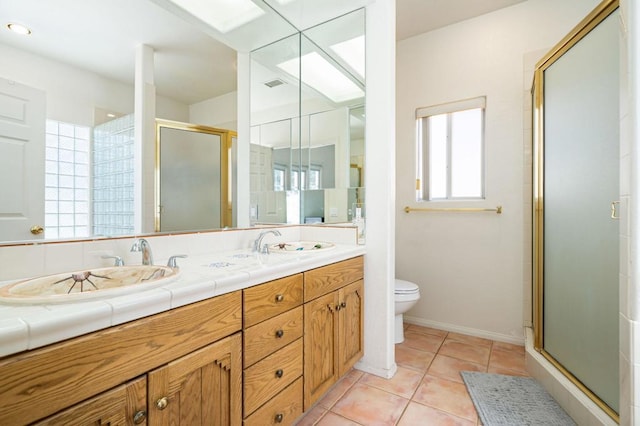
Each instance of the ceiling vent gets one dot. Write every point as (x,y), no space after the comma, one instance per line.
(273,83)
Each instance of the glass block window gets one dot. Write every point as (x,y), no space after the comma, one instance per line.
(113,179)
(67,180)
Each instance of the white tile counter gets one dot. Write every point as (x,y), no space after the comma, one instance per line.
(202,276)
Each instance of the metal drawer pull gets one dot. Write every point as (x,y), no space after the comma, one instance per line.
(279,297)
(343,305)
(162,403)
(139,417)
(279,373)
(279,333)
(279,417)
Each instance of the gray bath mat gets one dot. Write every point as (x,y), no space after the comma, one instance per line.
(512,401)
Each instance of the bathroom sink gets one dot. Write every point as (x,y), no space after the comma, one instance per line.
(87,284)
(297,247)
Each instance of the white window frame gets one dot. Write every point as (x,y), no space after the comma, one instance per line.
(422,147)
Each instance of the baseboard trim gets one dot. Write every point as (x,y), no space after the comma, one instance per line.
(380,372)
(466,330)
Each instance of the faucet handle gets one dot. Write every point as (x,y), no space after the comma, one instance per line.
(172,260)
(117,260)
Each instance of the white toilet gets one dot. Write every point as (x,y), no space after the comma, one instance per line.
(406,295)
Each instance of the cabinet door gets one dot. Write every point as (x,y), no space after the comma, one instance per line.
(201,388)
(123,405)
(320,340)
(351,316)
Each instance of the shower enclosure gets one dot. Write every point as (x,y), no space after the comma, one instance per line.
(194,173)
(576,188)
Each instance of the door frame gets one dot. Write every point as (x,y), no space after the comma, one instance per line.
(599,14)
(226,179)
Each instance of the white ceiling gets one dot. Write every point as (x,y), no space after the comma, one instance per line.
(420,16)
(101,36)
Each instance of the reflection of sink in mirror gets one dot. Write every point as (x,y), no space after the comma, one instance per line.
(300,246)
(89,284)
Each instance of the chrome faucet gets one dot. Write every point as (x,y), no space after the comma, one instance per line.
(257,244)
(143,246)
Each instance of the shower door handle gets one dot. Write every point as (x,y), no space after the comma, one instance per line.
(614,210)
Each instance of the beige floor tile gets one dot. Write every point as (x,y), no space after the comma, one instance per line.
(422,341)
(469,339)
(404,383)
(412,397)
(340,388)
(507,372)
(418,414)
(508,347)
(312,416)
(331,419)
(413,358)
(446,395)
(370,406)
(426,330)
(465,351)
(507,360)
(450,368)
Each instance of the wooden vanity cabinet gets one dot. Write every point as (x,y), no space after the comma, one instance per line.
(124,405)
(256,356)
(333,322)
(273,351)
(97,376)
(201,388)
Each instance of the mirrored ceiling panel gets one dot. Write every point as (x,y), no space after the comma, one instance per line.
(304,14)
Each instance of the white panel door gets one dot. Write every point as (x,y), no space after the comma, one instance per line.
(22,127)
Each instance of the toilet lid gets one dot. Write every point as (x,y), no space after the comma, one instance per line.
(406,287)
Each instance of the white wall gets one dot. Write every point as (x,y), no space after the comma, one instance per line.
(472,267)
(220,112)
(73,93)
(380,195)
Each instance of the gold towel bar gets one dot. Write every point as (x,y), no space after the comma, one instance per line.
(408,209)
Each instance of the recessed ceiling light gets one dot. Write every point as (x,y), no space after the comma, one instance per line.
(18,28)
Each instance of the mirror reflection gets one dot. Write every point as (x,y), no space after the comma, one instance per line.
(92,83)
(192,186)
(307,162)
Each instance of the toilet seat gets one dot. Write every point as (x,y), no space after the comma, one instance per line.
(406,287)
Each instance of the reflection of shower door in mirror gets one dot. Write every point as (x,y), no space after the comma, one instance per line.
(22,152)
(577,234)
(193,178)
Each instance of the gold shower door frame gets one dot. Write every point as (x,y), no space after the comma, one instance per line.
(226,180)
(578,33)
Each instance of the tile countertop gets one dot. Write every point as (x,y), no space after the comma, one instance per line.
(24,327)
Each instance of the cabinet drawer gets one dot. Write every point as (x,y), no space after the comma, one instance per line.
(268,300)
(331,277)
(270,335)
(118,406)
(268,377)
(283,409)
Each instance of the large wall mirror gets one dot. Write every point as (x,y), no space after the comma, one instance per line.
(79,65)
(307,124)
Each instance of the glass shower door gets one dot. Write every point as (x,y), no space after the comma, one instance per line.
(580,228)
